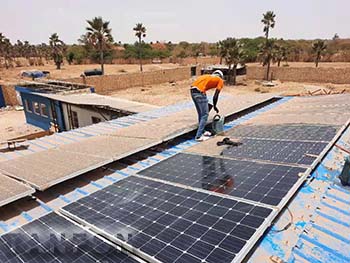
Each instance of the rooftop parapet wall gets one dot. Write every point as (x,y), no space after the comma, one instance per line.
(108,83)
(302,74)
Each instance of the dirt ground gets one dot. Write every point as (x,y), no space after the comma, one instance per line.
(13,124)
(167,93)
(312,64)
(71,71)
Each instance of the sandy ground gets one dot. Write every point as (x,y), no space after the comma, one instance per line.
(311,64)
(71,71)
(166,94)
(13,124)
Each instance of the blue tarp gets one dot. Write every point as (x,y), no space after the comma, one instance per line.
(34,74)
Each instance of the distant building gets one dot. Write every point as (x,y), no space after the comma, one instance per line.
(67,106)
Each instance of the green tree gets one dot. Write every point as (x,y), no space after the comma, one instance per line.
(252,47)
(233,53)
(70,57)
(213,49)
(318,48)
(222,50)
(57,49)
(196,50)
(99,36)
(77,53)
(266,55)
(140,32)
(6,50)
(269,22)
(280,53)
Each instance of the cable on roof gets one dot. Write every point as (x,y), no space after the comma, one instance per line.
(286,226)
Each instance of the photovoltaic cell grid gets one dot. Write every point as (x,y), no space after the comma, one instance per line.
(170,223)
(53,239)
(265,183)
(290,132)
(288,152)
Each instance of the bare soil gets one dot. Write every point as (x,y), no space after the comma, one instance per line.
(72,71)
(311,64)
(13,124)
(170,93)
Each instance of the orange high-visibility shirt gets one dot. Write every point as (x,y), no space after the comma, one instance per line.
(207,82)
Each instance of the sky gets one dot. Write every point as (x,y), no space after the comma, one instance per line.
(176,20)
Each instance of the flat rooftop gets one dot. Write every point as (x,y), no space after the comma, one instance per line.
(52,86)
(231,180)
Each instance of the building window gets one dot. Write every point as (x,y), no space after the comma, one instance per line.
(43,110)
(95,120)
(75,121)
(28,106)
(36,108)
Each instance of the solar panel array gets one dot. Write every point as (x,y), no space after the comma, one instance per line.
(259,182)
(53,239)
(167,223)
(293,132)
(288,152)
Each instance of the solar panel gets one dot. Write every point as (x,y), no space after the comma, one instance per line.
(54,239)
(165,223)
(288,152)
(293,132)
(265,183)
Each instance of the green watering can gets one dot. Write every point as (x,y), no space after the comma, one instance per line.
(218,124)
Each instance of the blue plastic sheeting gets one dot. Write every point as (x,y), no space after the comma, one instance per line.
(33,74)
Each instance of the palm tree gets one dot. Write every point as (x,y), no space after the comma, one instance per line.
(57,49)
(99,34)
(269,22)
(222,51)
(280,53)
(140,32)
(266,55)
(318,48)
(6,50)
(233,53)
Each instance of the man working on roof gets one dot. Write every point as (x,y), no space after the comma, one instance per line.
(198,93)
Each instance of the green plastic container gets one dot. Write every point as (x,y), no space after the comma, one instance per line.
(218,124)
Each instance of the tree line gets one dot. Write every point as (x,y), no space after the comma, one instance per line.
(265,50)
(98,45)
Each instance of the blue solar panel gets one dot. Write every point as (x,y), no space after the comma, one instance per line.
(169,223)
(288,152)
(53,239)
(259,182)
(292,132)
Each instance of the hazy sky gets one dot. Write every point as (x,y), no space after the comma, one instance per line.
(175,20)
